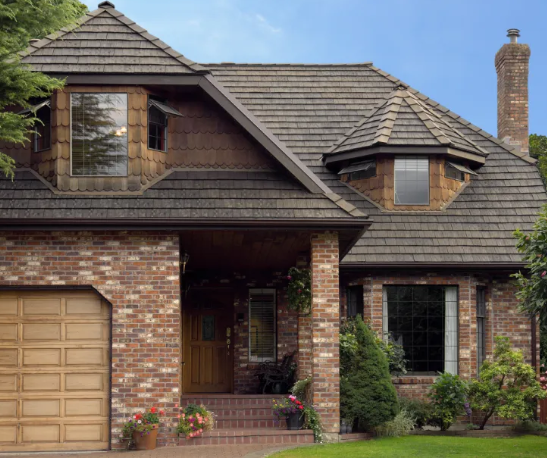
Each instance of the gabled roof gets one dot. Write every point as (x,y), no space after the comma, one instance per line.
(106,41)
(404,120)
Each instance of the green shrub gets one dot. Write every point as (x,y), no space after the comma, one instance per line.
(420,410)
(505,385)
(448,396)
(399,426)
(366,391)
(530,426)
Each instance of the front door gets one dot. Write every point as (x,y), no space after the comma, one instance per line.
(208,341)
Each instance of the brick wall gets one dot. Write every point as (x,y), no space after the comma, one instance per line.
(138,274)
(503,318)
(512,62)
(325,330)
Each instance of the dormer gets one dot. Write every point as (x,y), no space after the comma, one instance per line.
(405,156)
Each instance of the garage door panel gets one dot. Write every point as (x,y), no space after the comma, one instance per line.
(54,371)
(41,357)
(8,408)
(8,383)
(8,332)
(41,382)
(42,307)
(8,306)
(8,435)
(41,332)
(8,357)
(88,332)
(41,433)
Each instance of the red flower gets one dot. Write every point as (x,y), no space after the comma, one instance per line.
(138,416)
(153,409)
(162,412)
(543,273)
(301,407)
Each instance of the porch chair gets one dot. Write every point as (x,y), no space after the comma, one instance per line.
(272,373)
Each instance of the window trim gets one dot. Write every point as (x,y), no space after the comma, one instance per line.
(428,181)
(273,358)
(448,165)
(165,129)
(385,328)
(483,317)
(35,134)
(360,295)
(70,134)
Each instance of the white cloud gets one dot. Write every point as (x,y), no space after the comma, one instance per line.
(264,23)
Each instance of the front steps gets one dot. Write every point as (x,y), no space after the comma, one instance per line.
(243,420)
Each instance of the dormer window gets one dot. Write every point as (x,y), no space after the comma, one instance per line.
(158,113)
(360,171)
(456,171)
(99,134)
(42,128)
(412,180)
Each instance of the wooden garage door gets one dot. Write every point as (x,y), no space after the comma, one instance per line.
(54,371)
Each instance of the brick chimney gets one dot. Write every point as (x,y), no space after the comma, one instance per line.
(512,68)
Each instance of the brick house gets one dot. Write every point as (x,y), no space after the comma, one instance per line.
(146,238)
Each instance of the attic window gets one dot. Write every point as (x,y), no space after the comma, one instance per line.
(158,113)
(411,180)
(42,128)
(456,171)
(360,171)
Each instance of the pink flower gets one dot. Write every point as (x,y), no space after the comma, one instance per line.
(542,378)
(543,273)
(289,277)
(178,416)
(162,412)
(176,405)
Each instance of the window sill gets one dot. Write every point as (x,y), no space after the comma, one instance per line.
(413,379)
(155,149)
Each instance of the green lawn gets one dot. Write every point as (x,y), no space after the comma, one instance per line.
(426,446)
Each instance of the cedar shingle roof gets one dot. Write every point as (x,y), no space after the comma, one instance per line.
(106,41)
(403,119)
(311,107)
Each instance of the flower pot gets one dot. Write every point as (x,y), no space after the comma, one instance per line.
(343,427)
(146,440)
(295,421)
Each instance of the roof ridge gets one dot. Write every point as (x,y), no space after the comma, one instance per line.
(274,64)
(195,67)
(454,116)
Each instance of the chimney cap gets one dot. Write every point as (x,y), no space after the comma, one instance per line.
(513,35)
(105,5)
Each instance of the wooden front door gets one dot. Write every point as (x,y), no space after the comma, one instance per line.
(208,342)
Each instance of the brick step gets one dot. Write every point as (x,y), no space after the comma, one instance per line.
(249,436)
(249,422)
(218,402)
(243,410)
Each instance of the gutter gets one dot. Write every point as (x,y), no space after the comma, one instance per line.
(452,266)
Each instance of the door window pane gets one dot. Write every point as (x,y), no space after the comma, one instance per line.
(412,181)
(99,134)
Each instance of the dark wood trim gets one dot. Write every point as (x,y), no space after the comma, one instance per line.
(332,159)
(262,135)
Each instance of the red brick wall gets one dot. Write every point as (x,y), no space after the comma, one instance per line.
(325,329)
(503,318)
(138,274)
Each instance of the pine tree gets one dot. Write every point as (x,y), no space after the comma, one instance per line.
(366,391)
(20,21)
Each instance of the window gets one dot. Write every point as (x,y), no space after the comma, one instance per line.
(355,301)
(411,181)
(42,128)
(360,171)
(262,325)
(452,173)
(157,129)
(481,325)
(99,134)
(424,320)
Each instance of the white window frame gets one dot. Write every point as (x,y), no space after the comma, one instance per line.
(272,358)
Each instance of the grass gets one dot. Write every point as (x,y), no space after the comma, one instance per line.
(428,446)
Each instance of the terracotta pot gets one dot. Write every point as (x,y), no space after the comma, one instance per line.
(146,441)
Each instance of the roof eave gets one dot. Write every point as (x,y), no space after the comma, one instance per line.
(430,265)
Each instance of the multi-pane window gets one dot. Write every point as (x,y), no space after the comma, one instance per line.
(42,128)
(99,134)
(411,181)
(157,129)
(452,172)
(424,320)
(262,325)
(360,171)
(481,325)
(355,301)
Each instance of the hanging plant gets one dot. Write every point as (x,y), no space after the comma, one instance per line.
(299,289)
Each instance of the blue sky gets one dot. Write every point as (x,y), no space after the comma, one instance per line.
(444,48)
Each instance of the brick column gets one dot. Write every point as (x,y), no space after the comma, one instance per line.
(325,331)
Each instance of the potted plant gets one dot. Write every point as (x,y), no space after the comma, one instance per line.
(292,410)
(142,429)
(194,420)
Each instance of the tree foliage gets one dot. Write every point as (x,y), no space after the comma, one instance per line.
(20,21)
(366,391)
(532,292)
(538,150)
(448,396)
(505,385)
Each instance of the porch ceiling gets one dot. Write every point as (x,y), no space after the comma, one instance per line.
(243,250)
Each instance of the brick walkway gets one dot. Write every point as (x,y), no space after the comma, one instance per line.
(177,451)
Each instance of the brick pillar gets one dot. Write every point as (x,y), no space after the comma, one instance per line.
(512,68)
(325,319)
